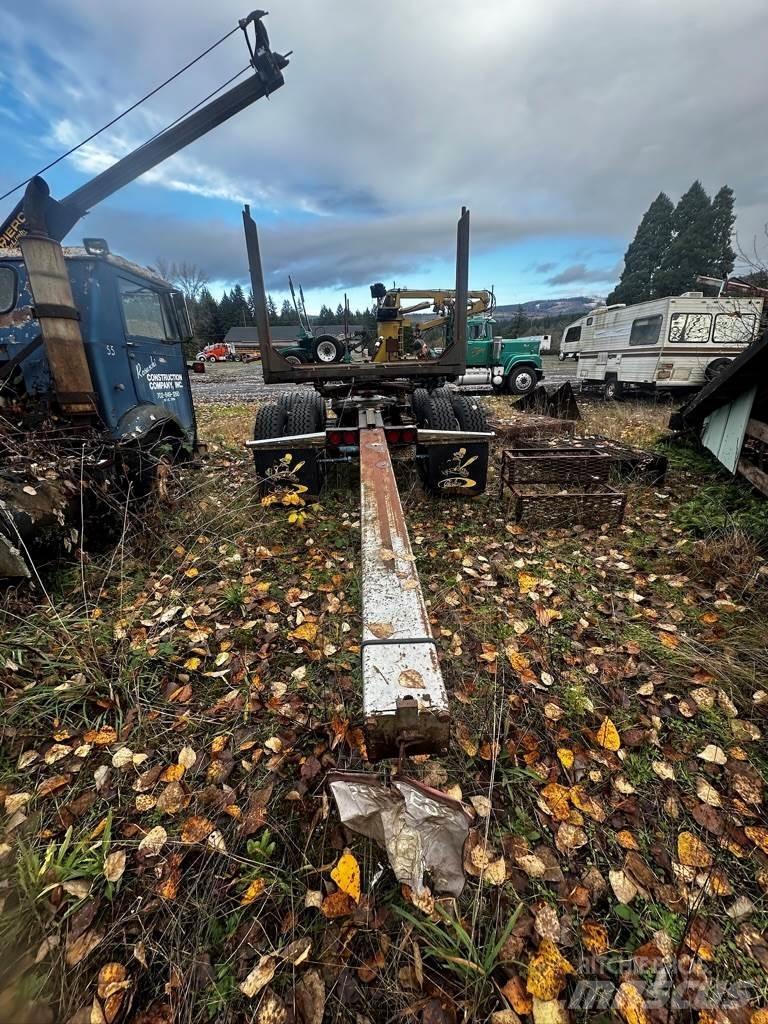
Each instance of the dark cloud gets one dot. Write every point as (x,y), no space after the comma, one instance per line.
(543,268)
(591,110)
(580,273)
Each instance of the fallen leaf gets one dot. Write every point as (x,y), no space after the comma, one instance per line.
(271,1008)
(692,852)
(570,838)
(381,630)
(547,972)
(261,975)
(626,840)
(172,800)
(53,785)
(712,754)
(252,893)
(153,841)
(482,805)
(114,865)
(411,679)
(624,888)
(759,836)
(607,736)
(306,631)
(195,830)
(81,947)
(595,937)
(309,998)
(346,875)
(337,904)
(630,1004)
(101,737)
(556,799)
(549,1011)
(587,803)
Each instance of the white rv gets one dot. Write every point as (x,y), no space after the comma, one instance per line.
(674,343)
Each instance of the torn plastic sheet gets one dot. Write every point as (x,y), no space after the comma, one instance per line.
(420,828)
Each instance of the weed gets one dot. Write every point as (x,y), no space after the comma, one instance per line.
(721,509)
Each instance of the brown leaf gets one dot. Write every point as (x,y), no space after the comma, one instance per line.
(173,799)
(114,865)
(81,947)
(53,785)
(309,998)
(692,852)
(630,1004)
(196,830)
(556,799)
(256,812)
(586,803)
(101,737)
(381,630)
(153,841)
(594,936)
(338,904)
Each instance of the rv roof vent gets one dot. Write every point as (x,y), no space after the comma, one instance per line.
(692,295)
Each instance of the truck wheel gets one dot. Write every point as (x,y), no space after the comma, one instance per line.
(270,421)
(468,412)
(521,381)
(327,349)
(441,414)
(420,407)
(613,390)
(306,415)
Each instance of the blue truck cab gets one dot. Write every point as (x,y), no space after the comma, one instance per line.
(133,326)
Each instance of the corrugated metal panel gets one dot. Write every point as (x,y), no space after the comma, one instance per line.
(724,429)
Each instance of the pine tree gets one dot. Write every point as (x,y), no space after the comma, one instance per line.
(271,309)
(691,250)
(340,313)
(645,253)
(208,325)
(287,314)
(723,219)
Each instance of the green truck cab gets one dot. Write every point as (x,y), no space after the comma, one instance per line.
(508,364)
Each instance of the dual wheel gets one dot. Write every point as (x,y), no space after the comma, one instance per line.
(445,409)
(294,412)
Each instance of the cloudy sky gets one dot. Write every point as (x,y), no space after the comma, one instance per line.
(556,122)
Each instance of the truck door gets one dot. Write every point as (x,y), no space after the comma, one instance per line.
(155,351)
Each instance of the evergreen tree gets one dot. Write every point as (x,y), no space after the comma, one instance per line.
(723,219)
(287,314)
(208,324)
(645,253)
(271,309)
(692,248)
(340,313)
(326,315)
(227,312)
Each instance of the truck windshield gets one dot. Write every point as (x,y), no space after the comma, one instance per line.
(7,289)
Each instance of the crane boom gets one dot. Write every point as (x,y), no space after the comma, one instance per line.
(61,216)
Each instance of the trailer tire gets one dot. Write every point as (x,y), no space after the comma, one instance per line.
(270,421)
(420,407)
(613,390)
(306,415)
(441,414)
(522,380)
(468,412)
(715,368)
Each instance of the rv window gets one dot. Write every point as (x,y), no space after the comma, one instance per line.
(142,310)
(690,327)
(734,328)
(589,321)
(645,330)
(7,289)
(572,334)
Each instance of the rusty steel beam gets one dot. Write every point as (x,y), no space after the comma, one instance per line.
(404,700)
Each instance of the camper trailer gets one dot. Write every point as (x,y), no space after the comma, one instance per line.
(677,343)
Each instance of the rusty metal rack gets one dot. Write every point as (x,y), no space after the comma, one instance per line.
(629,464)
(534,428)
(561,487)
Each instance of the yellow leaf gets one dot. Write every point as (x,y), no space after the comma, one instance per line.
(518,661)
(254,890)
(547,971)
(195,830)
(306,631)
(626,840)
(565,756)
(630,1004)
(759,836)
(101,737)
(587,804)
(346,875)
(556,798)
(595,937)
(608,736)
(692,852)
(526,582)
(191,573)
(191,664)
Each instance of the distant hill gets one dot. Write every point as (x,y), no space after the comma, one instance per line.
(575,306)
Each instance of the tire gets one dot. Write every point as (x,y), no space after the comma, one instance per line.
(613,390)
(243,358)
(715,368)
(327,349)
(210,359)
(521,381)
(293,360)
(306,416)
(468,412)
(561,356)
(441,414)
(270,421)
(420,407)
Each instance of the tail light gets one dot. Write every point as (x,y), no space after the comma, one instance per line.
(350,437)
(334,437)
(400,435)
(339,437)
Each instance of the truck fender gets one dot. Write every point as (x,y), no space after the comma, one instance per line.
(145,419)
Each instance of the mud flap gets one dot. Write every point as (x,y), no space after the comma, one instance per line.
(283,471)
(454,469)
(556,400)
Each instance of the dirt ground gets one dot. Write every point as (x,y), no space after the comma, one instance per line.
(174,702)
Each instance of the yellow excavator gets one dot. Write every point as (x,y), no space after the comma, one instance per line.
(400,337)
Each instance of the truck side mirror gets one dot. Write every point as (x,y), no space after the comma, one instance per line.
(182,315)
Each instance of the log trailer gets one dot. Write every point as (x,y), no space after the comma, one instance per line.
(92,366)
(369,412)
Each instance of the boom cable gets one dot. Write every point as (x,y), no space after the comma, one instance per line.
(133,106)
